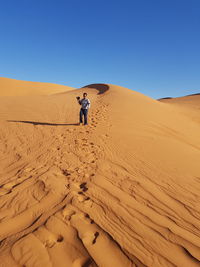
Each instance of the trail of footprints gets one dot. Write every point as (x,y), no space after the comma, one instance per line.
(69,237)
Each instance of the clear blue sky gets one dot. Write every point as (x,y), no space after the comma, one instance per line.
(151,46)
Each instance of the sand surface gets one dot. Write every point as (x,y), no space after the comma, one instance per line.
(12,87)
(122,191)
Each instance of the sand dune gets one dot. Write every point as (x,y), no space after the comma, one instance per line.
(188,105)
(122,191)
(11,87)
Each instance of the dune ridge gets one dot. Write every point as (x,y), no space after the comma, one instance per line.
(122,191)
(12,87)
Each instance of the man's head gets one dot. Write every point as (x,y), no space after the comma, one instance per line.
(84,95)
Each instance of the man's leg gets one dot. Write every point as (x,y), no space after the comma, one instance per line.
(81,116)
(85,116)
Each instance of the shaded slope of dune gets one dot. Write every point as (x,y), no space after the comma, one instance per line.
(101,88)
(11,87)
(122,191)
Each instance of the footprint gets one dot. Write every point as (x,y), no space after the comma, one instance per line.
(60,238)
(67,213)
(84,144)
(81,198)
(68,247)
(66,172)
(90,238)
(84,187)
(96,234)
(29,251)
(46,237)
(99,243)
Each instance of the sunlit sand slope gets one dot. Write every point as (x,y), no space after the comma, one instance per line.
(188,105)
(11,87)
(122,191)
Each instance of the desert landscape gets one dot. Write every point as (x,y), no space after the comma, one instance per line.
(121,191)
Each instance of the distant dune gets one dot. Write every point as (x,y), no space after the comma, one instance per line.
(188,105)
(12,87)
(122,191)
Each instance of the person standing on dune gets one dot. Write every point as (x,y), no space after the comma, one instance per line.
(85,105)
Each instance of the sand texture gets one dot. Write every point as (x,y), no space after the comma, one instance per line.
(122,191)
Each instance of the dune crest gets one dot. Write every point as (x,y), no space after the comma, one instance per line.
(122,191)
(12,87)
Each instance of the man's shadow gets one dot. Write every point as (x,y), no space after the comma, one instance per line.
(45,123)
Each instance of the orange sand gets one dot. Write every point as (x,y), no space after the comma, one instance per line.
(11,87)
(122,191)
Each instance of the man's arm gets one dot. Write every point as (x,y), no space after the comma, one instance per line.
(88,103)
(78,100)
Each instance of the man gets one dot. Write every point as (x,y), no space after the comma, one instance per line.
(85,105)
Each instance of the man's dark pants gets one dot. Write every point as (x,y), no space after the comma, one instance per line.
(83,112)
